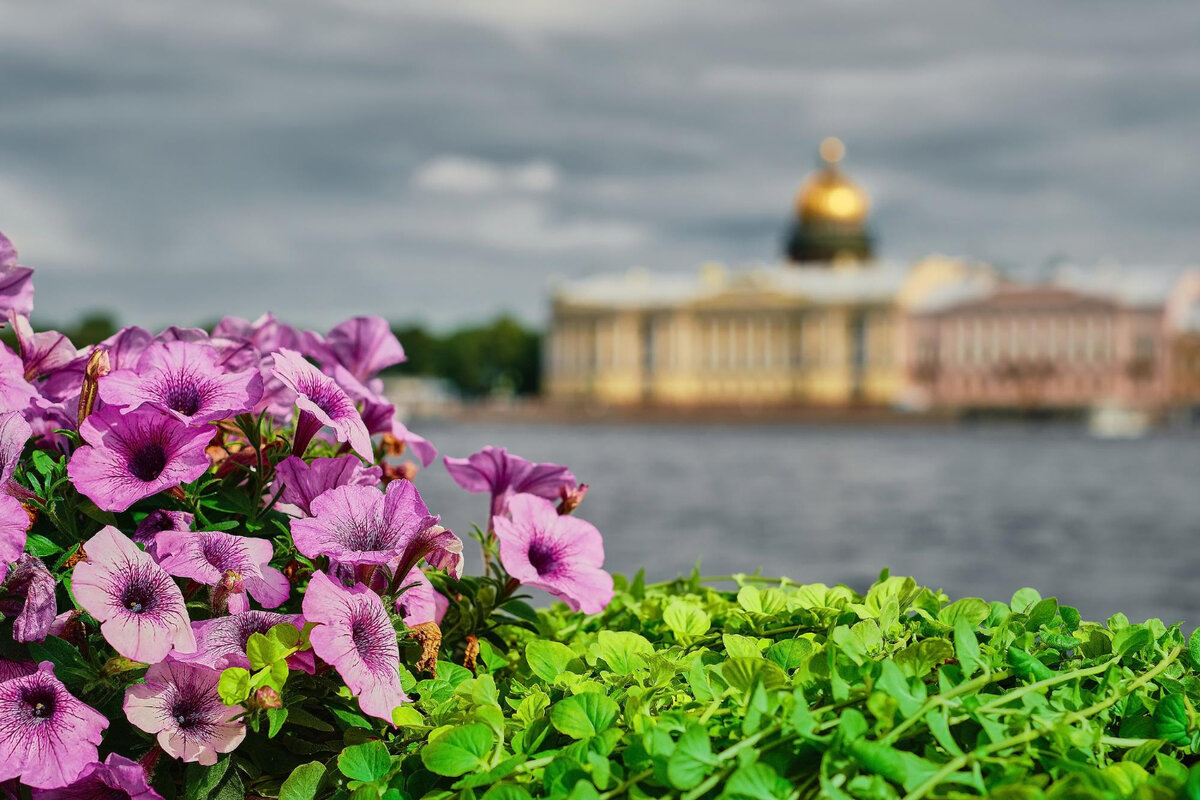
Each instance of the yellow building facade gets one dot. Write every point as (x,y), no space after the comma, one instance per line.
(824,328)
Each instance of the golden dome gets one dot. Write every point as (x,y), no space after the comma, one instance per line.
(828,196)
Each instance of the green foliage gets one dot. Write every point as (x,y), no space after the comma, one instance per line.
(786,691)
(502,356)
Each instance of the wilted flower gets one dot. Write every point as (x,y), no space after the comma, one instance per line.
(361,525)
(35,610)
(494,471)
(141,610)
(356,636)
(321,402)
(208,557)
(183,378)
(560,554)
(302,482)
(179,703)
(136,455)
(569,499)
(420,602)
(117,778)
(221,641)
(47,736)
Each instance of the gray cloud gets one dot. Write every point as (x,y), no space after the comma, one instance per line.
(174,166)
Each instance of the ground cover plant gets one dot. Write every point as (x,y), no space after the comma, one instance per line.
(219,580)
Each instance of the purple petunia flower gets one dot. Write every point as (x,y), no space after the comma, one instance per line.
(420,602)
(356,636)
(35,610)
(16,282)
(117,778)
(183,379)
(361,345)
(361,525)
(209,557)
(221,641)
(494,471)
(303,482)
(380,417)
(321,402)
(10,669)
(179,703)
(47,736)
(14,525)
(141,610)
(561,554)
(136,455)
(41,353)
(158,520)
(16,393)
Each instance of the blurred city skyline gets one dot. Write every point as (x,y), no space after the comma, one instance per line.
(337,158)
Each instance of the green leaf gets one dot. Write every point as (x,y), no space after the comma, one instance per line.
(1194,648)
(738,646)
(692,760)
(893,681)
(972,609)
(1042,613)
(276,717)
(790,654)
(40,546)
(234,685)
(264,651)
(459,750)
(303,783)
(366,762)
(505,792)
(407,717)
(756,782)
(548,659)
(584,715)
(621,650)
(750,599)
(202,782)
(1070,617)
(966,646)
(1131,639)
(686,620)
(1023,599)
(918,659)
(1027,666)
(1171,720)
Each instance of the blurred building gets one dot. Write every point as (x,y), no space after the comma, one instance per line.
(833,326)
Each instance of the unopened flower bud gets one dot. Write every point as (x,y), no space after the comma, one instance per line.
(97,367)
(405,470)
(267,697)
(230,583)
(569,499)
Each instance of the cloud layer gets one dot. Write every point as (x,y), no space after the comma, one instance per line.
(442,161)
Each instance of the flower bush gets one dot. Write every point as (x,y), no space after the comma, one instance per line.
(219,581)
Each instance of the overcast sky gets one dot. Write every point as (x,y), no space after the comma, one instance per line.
(443,160)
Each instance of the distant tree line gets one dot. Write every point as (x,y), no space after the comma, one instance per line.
(501,357)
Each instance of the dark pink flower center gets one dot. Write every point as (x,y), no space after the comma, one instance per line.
(543,556)
(39,701)
(186,398)
(373,637)
(139,596)
(365,537)
(147,461)
(221,554)
(190,712)
(94,788)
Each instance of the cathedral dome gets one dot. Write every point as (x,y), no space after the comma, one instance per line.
(828,196)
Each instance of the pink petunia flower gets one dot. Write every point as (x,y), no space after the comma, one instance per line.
(41,353)
(420,602)
(356,636)
(183,379)
(362,345)
(209,557)
(221,641)
(493,470)
(361,525)
(158,520)
(136,455)
(10,669)
(180,705)
(560,554)
(321,402)
(303,482)
(16,393)
(14,527)
(16,282)
(117,778)
(141,610)
(47,736)
(380,417)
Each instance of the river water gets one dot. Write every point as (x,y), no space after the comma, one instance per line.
(1105,526)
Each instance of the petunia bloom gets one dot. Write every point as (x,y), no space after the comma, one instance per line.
(35,610)
(136,455)
(180,705)
(158,520)
(47,736)
(355,635)
(43,352)
(16,282)
(493,470)
(16,393)
(560,554)
(420,602)
(321,402)
(10,669)
(221,641)
(14,525)
(361,345)
(117,778)
(361,525)
(211,557)
(141,610)
(183,379)
(302,482)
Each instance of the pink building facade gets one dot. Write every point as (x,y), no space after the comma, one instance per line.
(1050,346)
